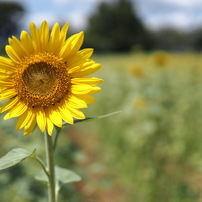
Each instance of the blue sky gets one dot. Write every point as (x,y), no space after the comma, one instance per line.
(181,14)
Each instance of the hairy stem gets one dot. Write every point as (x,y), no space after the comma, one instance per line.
(50,167)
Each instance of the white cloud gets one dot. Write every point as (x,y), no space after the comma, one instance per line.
(78,3)
(75,12)
(183,14)
(183,3)
(177,20)
(39,17)
(180,14)
(77,20)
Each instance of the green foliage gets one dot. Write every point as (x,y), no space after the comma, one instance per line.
(115,27)
(62,175)
(196,37)
(91,118)
(154,146)
(171,39)
(10,19)
(152,150)
(14,157)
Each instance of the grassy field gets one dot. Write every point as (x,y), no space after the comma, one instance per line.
(149,152)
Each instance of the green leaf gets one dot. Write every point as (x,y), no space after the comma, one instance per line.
(66,176)
(14,157)
(61,174)
(41,176)
(91,118)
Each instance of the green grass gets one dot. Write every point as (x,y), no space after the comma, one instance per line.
(154,145)
(151,150)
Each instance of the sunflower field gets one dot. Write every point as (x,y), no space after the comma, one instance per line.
(149,151)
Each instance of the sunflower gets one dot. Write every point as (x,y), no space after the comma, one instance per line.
(43,82)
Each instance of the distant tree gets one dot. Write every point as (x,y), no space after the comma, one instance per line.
(171,39)
(10,19)
(196,37)
(116,27)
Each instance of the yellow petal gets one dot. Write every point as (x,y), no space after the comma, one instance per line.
(8,105)
(66,114)
(17,46)
(54,42)
(78,63)
(24,119)
(74,69)
(76,113)
(87,80)
(76,60)
(55,117)
(67,46)
(12,54)
(81,89)
(6,65)
(30,125)
(35,37)
(86,70)
(26,42)
(7,94)
(86,98)
(16,111)
(95,90)
(75,102)
(44,35)
(63,33)
(6,75)
(5,83)
(77,42)
(57,38)
(41,119)
(86,52)
(71,46)
(49,126)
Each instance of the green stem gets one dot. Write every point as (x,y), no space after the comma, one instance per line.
(50,166)
(56,137)
(42,165)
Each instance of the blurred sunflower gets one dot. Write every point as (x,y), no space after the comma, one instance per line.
(137,70)
(44,78)
(140,102)
(161,58)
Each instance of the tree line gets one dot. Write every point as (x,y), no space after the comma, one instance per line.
(113,27)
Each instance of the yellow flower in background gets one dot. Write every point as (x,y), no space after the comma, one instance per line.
(44,78)
(161,58)
(137,70)
(140,102)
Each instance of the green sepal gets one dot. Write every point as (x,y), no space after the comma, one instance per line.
(91,118)
(62,175)
(14,157)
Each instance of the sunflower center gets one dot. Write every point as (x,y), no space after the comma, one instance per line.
(42,80)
